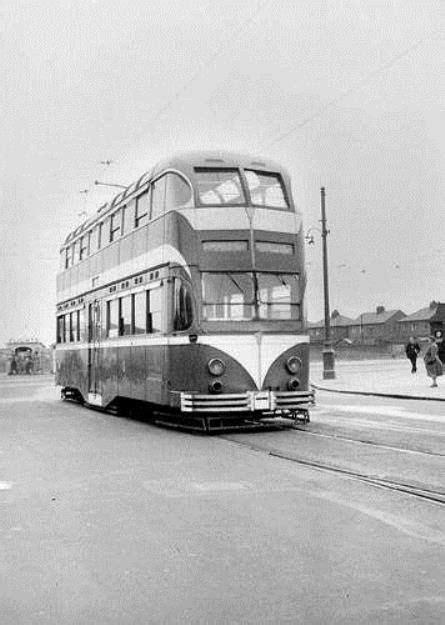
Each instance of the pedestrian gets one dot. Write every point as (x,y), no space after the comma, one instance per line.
(412,350)
(13,366)
(433,364)
(440,345)
(29,365)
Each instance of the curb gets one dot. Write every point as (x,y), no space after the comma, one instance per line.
(376,394)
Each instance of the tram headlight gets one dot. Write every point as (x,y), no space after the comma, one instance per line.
(215,386)
(293,364)
(293,384)
(216,366)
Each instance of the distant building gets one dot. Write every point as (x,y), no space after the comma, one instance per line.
(340,328)
(379,327)
(423,322)
(25,351)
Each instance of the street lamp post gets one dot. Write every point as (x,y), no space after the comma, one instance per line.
(328,352)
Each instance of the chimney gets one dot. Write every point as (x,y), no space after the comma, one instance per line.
(335,314)
(380,309)
(433,305)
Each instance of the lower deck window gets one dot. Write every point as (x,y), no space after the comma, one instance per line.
(139,313)
(113,318)
(125,316)
(183,306)
(61,329)
(141,325)
(228,296)
(155,309)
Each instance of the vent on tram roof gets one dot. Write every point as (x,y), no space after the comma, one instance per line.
(214,160)
(258,164)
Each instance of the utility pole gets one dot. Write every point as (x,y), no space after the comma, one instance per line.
(328,352)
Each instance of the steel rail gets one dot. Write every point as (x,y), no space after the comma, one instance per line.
(409,489)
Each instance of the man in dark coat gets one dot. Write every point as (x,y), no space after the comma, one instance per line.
(440,345)
(412,351)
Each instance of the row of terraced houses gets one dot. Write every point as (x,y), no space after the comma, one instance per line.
(381,326)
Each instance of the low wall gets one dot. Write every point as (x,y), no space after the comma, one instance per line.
(360,352)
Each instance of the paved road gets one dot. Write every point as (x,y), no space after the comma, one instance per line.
(114,521)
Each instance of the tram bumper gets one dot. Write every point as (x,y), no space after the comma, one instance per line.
(277,402)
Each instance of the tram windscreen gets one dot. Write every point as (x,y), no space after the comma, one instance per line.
(228,296)
(239,296)
(219,187)
(278,295)
(266,189)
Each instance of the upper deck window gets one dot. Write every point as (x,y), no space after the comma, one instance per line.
(158,197)
(177,191)
(67,256)
(218,187)
(84,247)
(266,189)
(142,209)
(96,238)
(116,225)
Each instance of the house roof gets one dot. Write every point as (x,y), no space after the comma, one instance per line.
(338,321)
(374,318)
(426,314)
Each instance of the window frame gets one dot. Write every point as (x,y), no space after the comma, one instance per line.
(258,172)
(162,178)
(199,203)
(84,238)
(115,231)
(122,325)
(144,217)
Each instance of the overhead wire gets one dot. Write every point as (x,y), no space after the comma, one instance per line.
(259,7)
(361,83)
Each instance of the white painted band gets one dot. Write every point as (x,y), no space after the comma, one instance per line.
(236,218)
(143,262)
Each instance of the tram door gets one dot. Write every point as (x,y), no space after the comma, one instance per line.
(94,353)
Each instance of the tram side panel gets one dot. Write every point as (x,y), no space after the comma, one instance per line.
(72,368)
(137,372)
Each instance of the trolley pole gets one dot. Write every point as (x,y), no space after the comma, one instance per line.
(328,352)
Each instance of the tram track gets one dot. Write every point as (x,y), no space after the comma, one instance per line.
(362,441)
(418,491)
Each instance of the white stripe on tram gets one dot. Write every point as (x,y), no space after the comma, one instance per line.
(255,352)
(160,255)
(236,218)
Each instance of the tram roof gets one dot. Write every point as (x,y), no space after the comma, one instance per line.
(185,162)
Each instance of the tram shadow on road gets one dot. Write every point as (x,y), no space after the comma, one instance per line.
(200,425)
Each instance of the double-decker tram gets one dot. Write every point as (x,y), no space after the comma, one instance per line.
(185,296)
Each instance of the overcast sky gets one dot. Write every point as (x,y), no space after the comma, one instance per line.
(346,94)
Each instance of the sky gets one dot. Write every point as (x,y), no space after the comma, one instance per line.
(347,95)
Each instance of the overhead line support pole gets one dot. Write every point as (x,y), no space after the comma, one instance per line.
(328,351)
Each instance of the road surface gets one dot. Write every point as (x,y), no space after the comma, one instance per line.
(108,520)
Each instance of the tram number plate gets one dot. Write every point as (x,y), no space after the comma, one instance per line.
(261,401)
